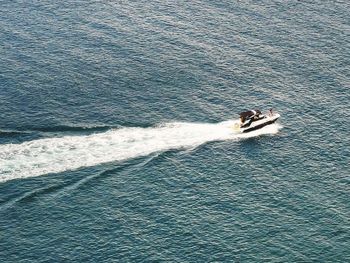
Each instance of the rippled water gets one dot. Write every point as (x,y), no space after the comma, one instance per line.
(116,140)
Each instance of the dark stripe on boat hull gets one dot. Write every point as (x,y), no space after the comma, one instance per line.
(260,126)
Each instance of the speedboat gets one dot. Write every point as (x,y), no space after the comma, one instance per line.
(253,120)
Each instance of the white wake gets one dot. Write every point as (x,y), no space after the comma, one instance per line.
(54,155)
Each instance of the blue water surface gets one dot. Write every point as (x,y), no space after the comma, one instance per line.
(78,68)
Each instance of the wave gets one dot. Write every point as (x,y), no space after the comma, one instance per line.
(57,129)
(10,133)
(59,154)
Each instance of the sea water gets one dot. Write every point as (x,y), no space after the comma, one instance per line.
(117,140)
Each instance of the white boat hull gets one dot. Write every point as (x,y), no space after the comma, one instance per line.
(255,125)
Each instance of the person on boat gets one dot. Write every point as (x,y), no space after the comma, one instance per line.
(257,115)
(271,113)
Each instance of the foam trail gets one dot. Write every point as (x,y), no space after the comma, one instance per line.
(54,155)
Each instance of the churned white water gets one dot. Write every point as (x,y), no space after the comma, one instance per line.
(54,155)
